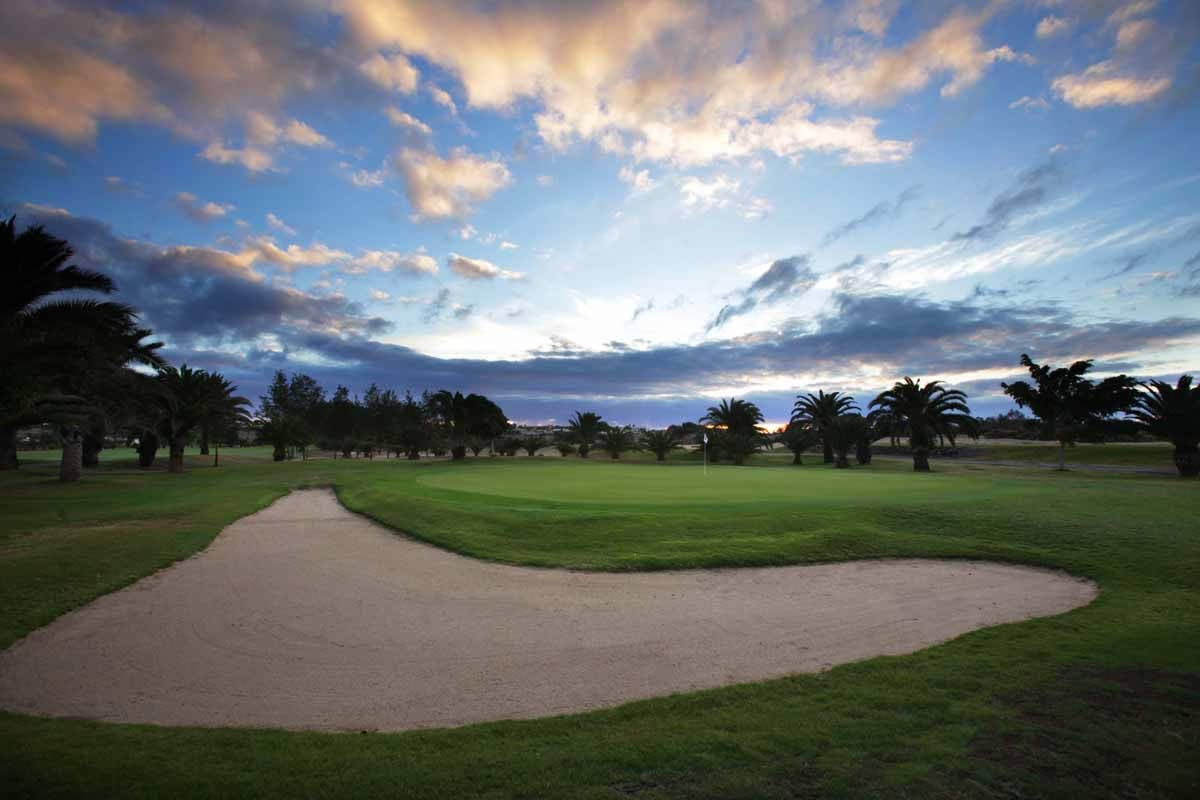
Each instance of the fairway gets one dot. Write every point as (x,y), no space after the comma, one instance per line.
(1094,701)
(603,482)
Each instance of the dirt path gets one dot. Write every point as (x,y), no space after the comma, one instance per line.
(307,616)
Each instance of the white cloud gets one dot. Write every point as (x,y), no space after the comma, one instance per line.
(368,179)
(440,188)
(402,120)
(418,263)
(466,231)
(1103,85)
(545,181)
(294,256)
(190,205)
(254,159)
(279,225)
(443,98)
(263,137)
(507,245)
(1052,26)
(392,72)
(1128,11)
(650,95)
(1028,103)
(701,195)
(302,134)
(380,296)
(478,268)
(640,180)
(756,208)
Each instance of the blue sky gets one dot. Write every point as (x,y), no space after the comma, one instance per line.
(633,208)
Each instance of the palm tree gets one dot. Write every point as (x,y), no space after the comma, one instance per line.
(739,419)
(1173,412)
(926,411)
(661,443)
(184,402)
(222,412)
(531,444)
(564,447)
(583,429)
(798,437)
(50,347)
(819,411)
(847,431)
(616,440)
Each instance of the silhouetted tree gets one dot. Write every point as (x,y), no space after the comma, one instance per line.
(738,424)
(583,428)
(927,412)
(1173,412)
(661,443)
(819,411)
(616,440)
(1067,403)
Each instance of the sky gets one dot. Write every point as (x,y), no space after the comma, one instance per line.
(630,208)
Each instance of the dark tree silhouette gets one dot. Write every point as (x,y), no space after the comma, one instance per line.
(819,411)
(584,427)
(926,412)
(1173,412)
(1067,403)
(661,443)
(737,423)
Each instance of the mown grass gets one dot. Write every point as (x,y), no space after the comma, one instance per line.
(1148,454)
(1102,701)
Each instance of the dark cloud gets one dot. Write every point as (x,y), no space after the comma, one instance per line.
(884,210)
(642,309)
(1128,264)
(191,293)
(1032,188)
(213,315)
(786,277)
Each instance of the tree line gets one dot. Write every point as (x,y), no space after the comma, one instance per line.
(87,367)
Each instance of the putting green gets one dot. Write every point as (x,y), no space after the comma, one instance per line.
(575,481)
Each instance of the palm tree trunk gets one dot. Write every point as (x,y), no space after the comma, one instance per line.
(583,451)
(93,443)
(217,455)
(8,447)
(920,459)
(175,460)
(863,453)
(71,467)
(796,460)
(828,448)
(147,449)
(204,439)
(458,452)
(1187,461)
(1062,456)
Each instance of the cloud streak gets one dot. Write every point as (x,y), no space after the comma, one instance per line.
(880,212)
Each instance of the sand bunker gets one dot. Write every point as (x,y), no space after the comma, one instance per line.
(307,616)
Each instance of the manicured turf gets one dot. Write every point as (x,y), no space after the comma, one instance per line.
(1104,700)
(1158,455)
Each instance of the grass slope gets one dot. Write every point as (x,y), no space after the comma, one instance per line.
(1102,701)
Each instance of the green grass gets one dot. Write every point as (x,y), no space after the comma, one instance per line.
(1148,454)
(1104,700)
